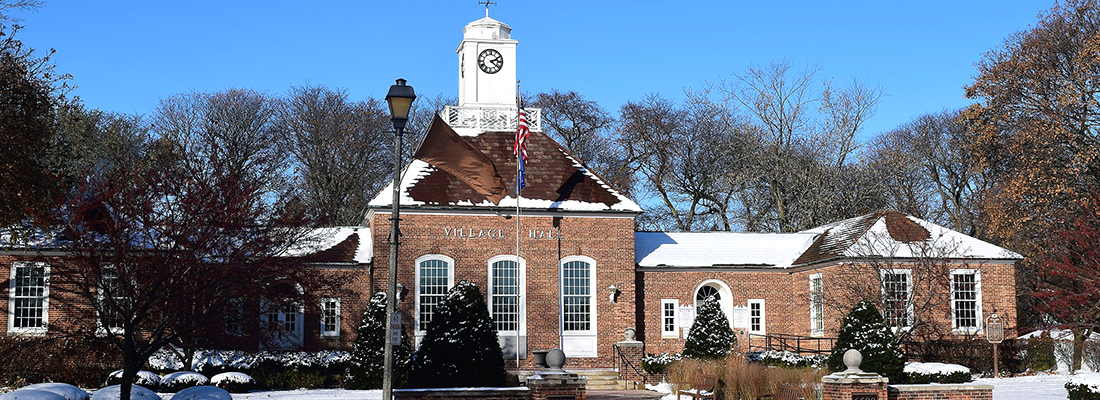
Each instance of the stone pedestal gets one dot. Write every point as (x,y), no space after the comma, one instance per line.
(552,385)
(853,383)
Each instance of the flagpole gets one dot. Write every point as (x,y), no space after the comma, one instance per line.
(519,290)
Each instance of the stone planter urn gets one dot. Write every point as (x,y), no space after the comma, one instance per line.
(540,357)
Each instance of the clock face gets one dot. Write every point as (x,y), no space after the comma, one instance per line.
(490,61)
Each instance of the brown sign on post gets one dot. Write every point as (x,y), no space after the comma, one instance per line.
(994,329)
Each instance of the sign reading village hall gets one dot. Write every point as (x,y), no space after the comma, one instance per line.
(475,233)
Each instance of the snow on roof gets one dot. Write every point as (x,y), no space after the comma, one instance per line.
(556,180)
(880,234)
(712,249)
(336,245)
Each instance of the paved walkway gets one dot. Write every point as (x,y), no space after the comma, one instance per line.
(621,394)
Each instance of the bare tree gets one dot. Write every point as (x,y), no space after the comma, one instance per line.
(168,237)
(341,150)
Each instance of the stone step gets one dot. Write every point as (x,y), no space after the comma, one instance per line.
(598,379)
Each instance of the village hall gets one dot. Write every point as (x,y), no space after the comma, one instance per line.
(562,266)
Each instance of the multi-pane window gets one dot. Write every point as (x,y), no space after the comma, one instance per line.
(233,315)
(756,316)
(668,318)
(576,284)
(817,306)
(434,281)
(330,317)
(30,288)
(707,291)
(966,299)
(505,295)
(896,292)
(113,303)
(285,317)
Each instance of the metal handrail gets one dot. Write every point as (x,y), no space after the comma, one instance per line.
(794,343)
(622,360)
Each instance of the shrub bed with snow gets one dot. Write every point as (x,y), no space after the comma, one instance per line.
(787,359)
(1084,387)
(203,393)
(234,382)
(657,363)
(917,372)
(114,392)
(146,379)
(177,381)
(69,392)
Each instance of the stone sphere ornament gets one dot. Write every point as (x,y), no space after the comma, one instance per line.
(852,358)
(555,359)
(629,334)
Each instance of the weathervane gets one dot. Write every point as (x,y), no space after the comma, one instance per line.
(487,3)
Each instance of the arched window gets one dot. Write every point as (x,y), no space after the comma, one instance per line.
(707,291)
(434,277)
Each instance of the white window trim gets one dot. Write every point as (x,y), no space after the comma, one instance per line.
(339,318)
(593,299)
(814,332)
(12,330)
(978,301)
(100,330)
(908,296)
(675,332)
(725,300)
(416,286)
(763,317)
(522,291)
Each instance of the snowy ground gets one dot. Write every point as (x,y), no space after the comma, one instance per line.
(312,394)
(1036,387)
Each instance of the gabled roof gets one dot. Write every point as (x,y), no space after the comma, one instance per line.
(888,234)
(555,180)
(339,245)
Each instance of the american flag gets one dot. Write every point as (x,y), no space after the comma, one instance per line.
(520,149)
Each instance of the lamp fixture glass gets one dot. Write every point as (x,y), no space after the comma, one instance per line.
(400,99)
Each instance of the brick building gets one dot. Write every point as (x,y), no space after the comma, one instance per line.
(582,274)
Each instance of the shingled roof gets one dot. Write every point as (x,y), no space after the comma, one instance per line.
(888,233)
(556,180)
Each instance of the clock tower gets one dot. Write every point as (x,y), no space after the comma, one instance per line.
(487,65)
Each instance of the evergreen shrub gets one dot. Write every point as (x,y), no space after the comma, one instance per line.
(710,336)
(865,330)
(1082,391)
(460,348)
(1039,355)
(364,369)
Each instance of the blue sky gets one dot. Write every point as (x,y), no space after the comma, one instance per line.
(125,56)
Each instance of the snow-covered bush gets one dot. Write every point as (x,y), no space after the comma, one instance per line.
(865,330)
(67,391)
(786,359)
(365,365)
(147,379)
(710,336)
(31,394)
(202,393)
(657,363)
(113,392)
(234,382)
(460,348)
(177,381)
(917,372)
(1083,387)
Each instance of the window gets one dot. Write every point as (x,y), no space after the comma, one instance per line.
(756,317)
(707,291)
(668,318)
(112,302)
(505,286)
(233,315)
(285,320)
(29,297)
(897,294)
(966,300)
(817,306)
(330,317)
(576,284)
(433,280)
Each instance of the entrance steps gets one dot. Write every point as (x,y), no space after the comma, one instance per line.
(598,379)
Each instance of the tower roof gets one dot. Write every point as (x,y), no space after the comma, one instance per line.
(488,29)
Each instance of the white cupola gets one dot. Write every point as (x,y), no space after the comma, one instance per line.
(487,64)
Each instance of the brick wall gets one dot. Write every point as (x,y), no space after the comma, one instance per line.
(940,392)
(608,241)
(787,297)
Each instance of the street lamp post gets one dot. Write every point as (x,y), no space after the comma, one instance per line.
(399,98)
